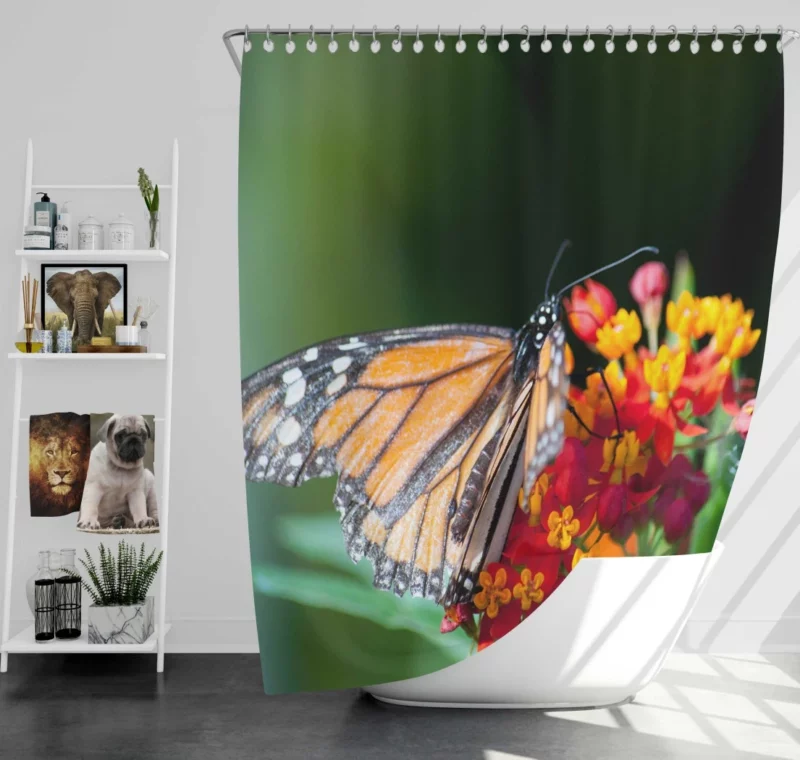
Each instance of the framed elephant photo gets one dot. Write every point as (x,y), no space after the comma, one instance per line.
(90,300)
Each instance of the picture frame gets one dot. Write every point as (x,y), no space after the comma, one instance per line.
(60,288)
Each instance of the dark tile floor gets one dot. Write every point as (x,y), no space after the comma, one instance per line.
(212,706)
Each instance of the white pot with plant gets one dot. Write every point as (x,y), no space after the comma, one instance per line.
(121,612)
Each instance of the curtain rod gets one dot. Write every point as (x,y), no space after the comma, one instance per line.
(787,36)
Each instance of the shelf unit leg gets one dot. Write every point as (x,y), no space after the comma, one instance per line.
(12,511)
(167,437)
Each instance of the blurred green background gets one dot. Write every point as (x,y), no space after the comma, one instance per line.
(390,190)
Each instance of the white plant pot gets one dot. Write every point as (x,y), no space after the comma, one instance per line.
(132,624)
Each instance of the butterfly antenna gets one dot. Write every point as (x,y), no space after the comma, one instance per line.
(645,249)
(566,244)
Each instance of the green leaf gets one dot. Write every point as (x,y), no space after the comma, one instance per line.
(706,524)
(154,203)
(319,590)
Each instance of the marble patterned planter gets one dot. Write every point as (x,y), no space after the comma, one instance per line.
(132,624)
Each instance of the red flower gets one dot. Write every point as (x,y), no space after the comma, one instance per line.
(677,520)
(588,309)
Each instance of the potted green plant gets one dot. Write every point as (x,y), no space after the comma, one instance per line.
(121,612)
(151,200)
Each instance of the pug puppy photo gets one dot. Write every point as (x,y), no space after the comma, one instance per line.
(120,489)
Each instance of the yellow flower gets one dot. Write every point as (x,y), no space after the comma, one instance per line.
(562,528)
(596,393)
(711,308)
(734,336)
(623,458)
(534,505)
(573,428)
(664,374)
(493,593)
(684,318)
(619,334)
(529,589)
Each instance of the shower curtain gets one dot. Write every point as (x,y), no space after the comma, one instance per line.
(541,420)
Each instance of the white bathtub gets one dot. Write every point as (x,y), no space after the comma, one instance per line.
(601,637)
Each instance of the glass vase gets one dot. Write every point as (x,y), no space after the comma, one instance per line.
(68,597)
(44,596)
(153,229)
(29,340)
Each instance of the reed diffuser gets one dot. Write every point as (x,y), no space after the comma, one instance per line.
(29,340)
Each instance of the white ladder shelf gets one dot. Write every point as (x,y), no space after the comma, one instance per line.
(24,641)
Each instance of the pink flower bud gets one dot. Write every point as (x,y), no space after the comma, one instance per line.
(678,518)
(741,422)
(650,281)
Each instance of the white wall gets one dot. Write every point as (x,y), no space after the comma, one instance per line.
(104,87)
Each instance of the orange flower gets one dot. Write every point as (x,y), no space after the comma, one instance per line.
(619,334)
(493,592)
(664,373)
(529,589)
(534,505)
(562,529)
(588,308)
(684,319)
(596,393)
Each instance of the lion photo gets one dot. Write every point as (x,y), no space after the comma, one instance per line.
(58,462)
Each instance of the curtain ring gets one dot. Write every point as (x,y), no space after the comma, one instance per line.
(738,44)
(588,44)
(717,45)
(247,43)
(439,44)
(269,45)
(631,45)
(311,45)
(354,44)
(290,46)
(674,44)
(779,43)
(694,45)
(483,45)
(652,45)
(610,42)
(397,45)
(418,44)
(759,45)
(546,45)
(461,46)
(375,45)
(566,45)
(502,46)
(525,45)
(333,45)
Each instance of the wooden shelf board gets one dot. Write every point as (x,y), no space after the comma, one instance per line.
(94,257)
(24,643)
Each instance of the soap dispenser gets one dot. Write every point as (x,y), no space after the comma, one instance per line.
(45,212)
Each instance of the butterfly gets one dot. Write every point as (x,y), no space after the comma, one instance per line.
(432,432)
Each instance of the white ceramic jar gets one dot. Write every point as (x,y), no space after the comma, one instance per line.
(90,235)
(120,233)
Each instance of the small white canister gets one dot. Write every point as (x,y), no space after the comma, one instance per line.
(120,232)
(90,235)
(127,335)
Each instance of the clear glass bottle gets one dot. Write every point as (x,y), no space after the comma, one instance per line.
(68,597)
(44,595)
(144,335)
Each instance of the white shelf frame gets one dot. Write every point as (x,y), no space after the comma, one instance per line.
(19,643)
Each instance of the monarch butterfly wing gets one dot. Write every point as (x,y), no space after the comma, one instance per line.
(403,417)
(544,438)
(488,529)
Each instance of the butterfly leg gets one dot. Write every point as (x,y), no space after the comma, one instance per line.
(583,376)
